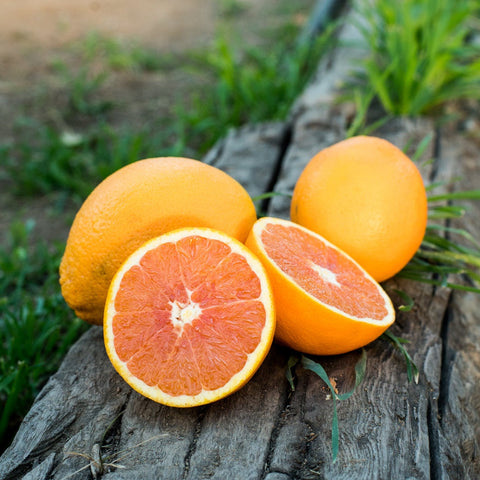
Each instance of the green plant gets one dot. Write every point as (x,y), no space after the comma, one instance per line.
(73,163)
(230,8)
(419,54)
(81,86)
(315,367)
(441,260)
(120,55)
(36,326)
(99,55)
(249,86)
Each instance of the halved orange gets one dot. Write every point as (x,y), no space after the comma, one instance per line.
(189,317)
(325,302)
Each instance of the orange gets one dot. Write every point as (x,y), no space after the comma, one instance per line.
(326,303)
(138,202)
(367,197)
(189,317)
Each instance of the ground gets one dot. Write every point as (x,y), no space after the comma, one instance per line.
(35,37)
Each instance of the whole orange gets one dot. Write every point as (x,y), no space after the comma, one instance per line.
(136,203)
(366,197)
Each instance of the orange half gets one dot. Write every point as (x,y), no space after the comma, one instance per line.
(189,317)
(326,303)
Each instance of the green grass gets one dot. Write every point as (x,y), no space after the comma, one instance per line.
(440,260)
(36,326)
(420,54)
(120,55)
(251,86)
(97,58)
(315,367)
(44,160)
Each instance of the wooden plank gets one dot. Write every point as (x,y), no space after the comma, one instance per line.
(234,441)
(458,412)
(312,131)
(250,154)
(387,413)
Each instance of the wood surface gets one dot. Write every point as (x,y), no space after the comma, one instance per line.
(88,423)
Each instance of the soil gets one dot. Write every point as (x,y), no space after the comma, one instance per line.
(36,36)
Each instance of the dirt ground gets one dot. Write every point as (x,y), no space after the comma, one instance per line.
(35,34)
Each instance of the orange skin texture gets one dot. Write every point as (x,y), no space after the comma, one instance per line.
(366,197)
(307,325)
(140,201)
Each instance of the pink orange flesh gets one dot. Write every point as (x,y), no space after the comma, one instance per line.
(189,317)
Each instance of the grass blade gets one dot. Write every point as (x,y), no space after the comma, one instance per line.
(407,299)
(292,361)
(319,370)
(360,370)
(463,195)
(412,369)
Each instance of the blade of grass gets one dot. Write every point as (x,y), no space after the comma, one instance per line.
(462,195)
(360,369)
(292,361)
(407,299)
(319,370)
(412,369)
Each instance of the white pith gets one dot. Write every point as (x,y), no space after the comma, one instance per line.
(325,274)
(184,313)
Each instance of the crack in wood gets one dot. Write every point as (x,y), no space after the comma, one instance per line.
(283,412)
(437,158)
(310,433)
(193,444)
(447,359)
(447,355)
(284,144)
(433,441)
(110,442)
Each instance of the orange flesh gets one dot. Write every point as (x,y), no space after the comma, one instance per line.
(188,316)
(322,272)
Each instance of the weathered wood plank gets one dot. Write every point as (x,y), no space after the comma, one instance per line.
(251,154)
(312,131)
(71,413)
(234,441)
(387,414)
(459,395)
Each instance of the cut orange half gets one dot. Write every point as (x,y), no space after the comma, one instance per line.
(189,317)
(325,302)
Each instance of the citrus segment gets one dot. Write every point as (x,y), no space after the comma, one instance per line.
(141,201)
(189,317)
(326,303)
(366,197)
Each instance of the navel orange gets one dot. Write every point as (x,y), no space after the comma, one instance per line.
(366,197)
(325,302)
(189,317)
(138,202)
